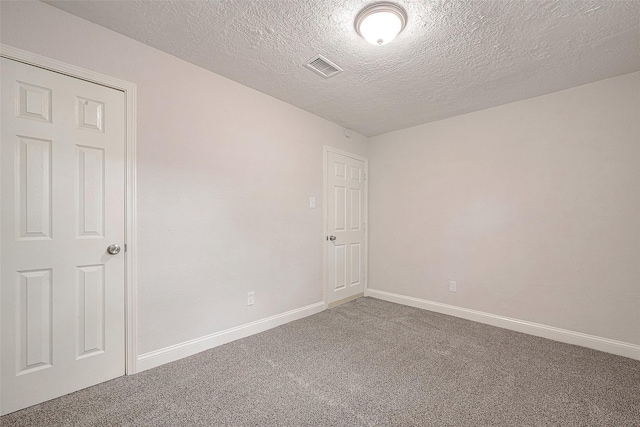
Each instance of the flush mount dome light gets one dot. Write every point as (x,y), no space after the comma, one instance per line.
(380,23)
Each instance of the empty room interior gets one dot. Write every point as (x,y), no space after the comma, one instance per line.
(320,213)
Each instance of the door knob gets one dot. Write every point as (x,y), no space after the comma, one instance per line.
(113,249)
(332,238)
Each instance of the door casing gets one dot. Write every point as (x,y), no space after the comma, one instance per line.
(129,90)
(325,218)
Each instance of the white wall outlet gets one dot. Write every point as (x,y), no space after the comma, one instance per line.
(452,286)
(312,202)
(251,298)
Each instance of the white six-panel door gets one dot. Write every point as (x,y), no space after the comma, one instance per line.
(62,188)
(346,251)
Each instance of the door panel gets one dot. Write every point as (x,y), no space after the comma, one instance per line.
(91,192)
(33,182)
(345,221)
(34,324)
(90,314)
(62,189)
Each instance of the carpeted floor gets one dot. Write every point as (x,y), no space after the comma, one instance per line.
(366,363)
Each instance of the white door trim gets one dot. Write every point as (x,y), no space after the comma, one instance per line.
(129,90)
(325,217)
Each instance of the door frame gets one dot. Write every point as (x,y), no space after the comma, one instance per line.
(325,218)
(129,89)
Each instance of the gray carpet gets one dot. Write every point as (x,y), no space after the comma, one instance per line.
(366,363)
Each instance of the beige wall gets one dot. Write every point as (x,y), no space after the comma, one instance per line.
(532,207)
(224,179)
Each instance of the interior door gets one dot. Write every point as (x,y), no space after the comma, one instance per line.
(346,226)
(62,187)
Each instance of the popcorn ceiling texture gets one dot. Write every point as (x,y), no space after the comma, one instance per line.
(454,57)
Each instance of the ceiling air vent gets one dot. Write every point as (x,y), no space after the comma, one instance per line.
(321,65)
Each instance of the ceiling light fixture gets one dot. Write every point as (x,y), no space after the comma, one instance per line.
(380,23)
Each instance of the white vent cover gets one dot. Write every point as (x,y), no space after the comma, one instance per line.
(321,65)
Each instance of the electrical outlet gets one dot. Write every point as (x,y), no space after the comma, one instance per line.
(312,202)
(452,286)
(251,298)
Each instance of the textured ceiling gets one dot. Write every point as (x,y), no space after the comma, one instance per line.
(454,56)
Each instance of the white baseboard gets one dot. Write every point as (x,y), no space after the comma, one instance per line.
(188,348)
(619,348)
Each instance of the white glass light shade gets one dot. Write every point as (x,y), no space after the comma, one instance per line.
(381,22)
